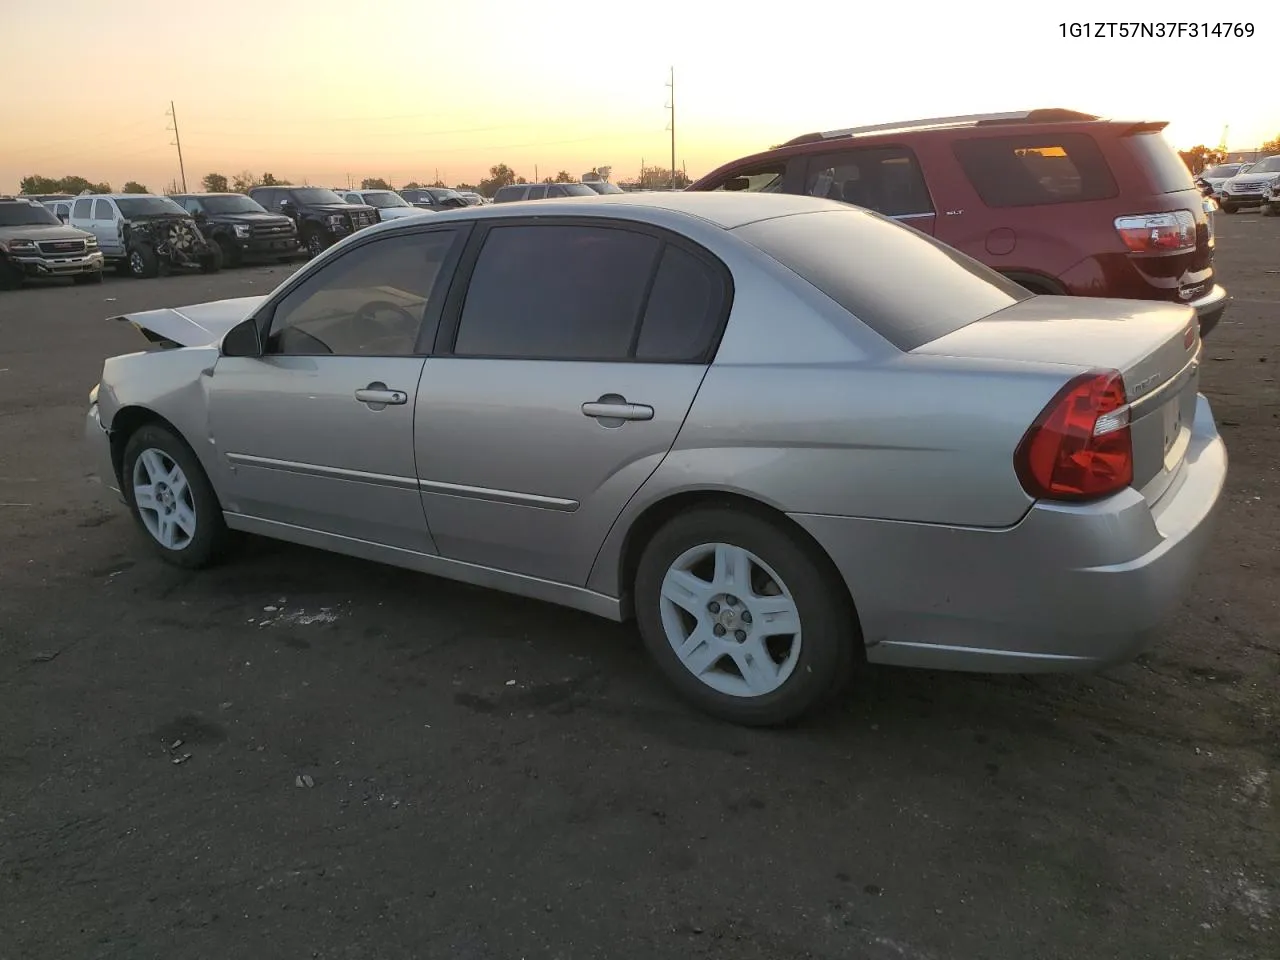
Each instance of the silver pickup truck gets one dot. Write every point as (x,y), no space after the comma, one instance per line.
(35,243)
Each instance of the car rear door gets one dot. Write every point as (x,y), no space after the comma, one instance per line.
(317,433)
(571,352)
(106,227)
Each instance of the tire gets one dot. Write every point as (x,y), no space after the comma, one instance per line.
(143,262)
(230,252)
(212,262)
(1229,208)
(10,277)
(81,279)
(315,243)
(794,682)
(150,455)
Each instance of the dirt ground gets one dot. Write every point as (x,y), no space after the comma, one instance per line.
(300,755)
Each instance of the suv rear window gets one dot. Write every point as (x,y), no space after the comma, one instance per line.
(1028,171)
(904,285)
(1168,172)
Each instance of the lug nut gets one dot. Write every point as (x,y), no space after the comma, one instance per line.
(746,616)
(731,601)
(718,630)
(713,607)
(741,635)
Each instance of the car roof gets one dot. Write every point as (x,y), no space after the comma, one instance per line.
(724,210)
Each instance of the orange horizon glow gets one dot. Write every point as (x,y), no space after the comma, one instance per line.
(304,91)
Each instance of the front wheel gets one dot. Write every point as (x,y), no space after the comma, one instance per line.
(316,244)
(171,498)
(143,263)
(745,618)
(1229,208)
(10,276)
(212,261)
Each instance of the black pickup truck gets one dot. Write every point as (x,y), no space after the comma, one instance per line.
(322,217)
(241,227)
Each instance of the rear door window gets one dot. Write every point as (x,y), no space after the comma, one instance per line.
(83,209)
(537,193)
(1034,170)
(102,210)
(885,179)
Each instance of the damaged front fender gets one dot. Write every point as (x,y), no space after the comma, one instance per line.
(198,325)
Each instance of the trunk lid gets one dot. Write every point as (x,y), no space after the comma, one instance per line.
(1155,346)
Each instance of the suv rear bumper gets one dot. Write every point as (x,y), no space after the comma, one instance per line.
(1210,308)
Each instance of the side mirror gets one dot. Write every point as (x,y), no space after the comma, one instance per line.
(286,205)
(243,340)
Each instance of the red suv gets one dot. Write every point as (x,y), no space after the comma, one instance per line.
(1062,202)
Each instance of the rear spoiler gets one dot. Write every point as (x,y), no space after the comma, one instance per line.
(1145,126)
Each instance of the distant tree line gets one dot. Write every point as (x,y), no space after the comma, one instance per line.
(500,175)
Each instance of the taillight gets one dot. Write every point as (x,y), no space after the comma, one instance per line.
(1171,232)
(1079,448)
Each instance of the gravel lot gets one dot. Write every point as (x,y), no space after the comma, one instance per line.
(383,765)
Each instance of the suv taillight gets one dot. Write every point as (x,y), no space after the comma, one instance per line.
(1171,232)
(1079,448)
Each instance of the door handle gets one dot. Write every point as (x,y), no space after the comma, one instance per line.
(378,395)
(619,409)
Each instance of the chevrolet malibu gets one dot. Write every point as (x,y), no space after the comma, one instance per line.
(787,436)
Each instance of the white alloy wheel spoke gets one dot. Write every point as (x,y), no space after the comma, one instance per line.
(733,570)
(144,495)
(154,465)
(177,481)
(700,652)
(758,669)
(775,616)
(167,531)
(185,518)
(686,591)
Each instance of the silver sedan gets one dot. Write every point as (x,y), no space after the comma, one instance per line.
(786,436)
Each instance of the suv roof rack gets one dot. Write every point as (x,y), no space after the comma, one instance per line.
(1045,115)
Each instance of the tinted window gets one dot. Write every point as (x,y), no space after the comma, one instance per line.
(507,194)
(557,293)
(887,180)
(82,210)
(904,285)
(1031,170)
(578,190)
(1166,170)
(102,210)
(21,213)
(148,207)
(765,179)
(685,307)
(370,302)
(537,193)
(313,196)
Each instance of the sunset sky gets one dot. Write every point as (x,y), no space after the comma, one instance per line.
(315,90)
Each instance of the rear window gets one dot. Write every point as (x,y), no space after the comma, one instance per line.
(1028,171)
(903,284)
(1168,172)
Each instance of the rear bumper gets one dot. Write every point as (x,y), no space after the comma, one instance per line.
(1210,308)
(1067,588)
(46,266)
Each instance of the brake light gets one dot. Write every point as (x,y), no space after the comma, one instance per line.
(1171,232)
(1080,447)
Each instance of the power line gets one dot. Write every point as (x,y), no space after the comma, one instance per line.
(177,142)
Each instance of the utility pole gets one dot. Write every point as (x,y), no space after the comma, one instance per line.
(671,82)
(177,142)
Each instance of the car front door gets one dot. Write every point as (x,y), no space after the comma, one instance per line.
(106,227)
(563,372)
(317,433)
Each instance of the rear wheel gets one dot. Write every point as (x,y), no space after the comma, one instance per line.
(743,617)
(171,498)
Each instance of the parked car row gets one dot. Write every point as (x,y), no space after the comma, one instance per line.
(1254,185)
(1061,202)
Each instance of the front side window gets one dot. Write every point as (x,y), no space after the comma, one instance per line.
(370,302)
(765,179)
(885,179)
(1033,170)
(556,292)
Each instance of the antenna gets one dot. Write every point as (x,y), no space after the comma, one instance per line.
(177,142)
(671,125)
